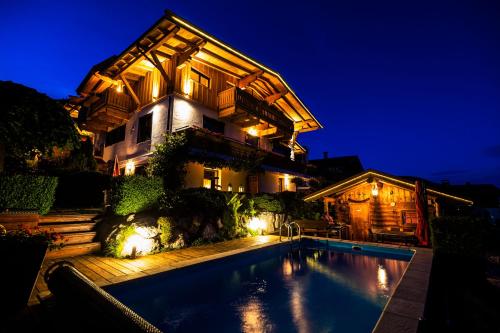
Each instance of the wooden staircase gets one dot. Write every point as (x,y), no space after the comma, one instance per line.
(383,216)
(77,230)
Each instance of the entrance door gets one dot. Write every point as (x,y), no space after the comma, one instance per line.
(359,220)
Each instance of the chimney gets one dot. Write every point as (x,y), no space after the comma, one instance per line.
(325,155)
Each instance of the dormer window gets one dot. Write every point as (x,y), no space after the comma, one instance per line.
(199,78)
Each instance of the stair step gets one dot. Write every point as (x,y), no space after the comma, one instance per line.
(74,250)
(64,218)
(78,237)
(68,227)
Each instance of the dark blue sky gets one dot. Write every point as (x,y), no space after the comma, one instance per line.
(412,87)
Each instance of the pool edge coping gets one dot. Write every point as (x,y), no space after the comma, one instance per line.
(405,307)
(401,313)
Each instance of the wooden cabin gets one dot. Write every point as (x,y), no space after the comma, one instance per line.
(374,203)
(176,77)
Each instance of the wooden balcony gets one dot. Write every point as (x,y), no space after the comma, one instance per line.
(245,110)
(110,110)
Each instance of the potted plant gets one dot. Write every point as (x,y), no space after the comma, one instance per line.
(22,253)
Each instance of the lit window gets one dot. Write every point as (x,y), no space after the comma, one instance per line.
(230,188)
(211,178)
(199,78)
(241,188)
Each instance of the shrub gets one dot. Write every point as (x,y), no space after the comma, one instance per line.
(82,189)
(115,247)
(165,226)
(207,203)
(459,236)
(267,203)
(133,194)
(27,192)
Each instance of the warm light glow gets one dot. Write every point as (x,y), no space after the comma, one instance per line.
(382,277)
(375,190)
(129,168)
(186,89)
(119,86)
(286,182)
(252,131)
(256,224)
(207,183)
(183,110)
(155,92)
(230,188)
(140,240)
(241,188)
(287,267)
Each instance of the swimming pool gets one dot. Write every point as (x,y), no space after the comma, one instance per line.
(319,287)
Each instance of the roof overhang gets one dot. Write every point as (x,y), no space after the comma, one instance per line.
(172,35)
(380,176)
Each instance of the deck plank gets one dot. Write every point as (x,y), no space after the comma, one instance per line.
(104,270)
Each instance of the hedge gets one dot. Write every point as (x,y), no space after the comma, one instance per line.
(27,192)
(133,194)
(462,236)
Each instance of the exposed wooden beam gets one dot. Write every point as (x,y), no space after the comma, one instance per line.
(244,82)
(185,56)
(228,62)
(131,91)
(160,67)
(209,64)
(273,98)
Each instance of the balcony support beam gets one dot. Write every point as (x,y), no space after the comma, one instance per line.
(131,91)
(244,82)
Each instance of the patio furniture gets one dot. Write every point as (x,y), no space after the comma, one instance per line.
(404,235)
(321,227)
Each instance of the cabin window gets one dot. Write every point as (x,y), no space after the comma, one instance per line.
(114,136)
(211,178)
(145,128)
(213,125)
(199,78)
(241,188)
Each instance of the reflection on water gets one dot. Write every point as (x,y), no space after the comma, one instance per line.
(253,317)
(302,291)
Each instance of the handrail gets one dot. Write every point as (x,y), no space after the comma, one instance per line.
(289,227)
(288,230)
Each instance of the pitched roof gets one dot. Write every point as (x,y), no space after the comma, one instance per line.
(370,173)
(172,35)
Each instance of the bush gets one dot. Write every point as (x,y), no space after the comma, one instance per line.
(82,189)
(459,236)
(133,194)
(27,192)
(165,226)
(206,203)
(267,203)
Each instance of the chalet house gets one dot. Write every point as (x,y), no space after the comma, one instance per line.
(178,78)
(375,203)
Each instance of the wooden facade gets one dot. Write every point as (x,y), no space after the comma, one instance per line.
(374,202)
(169,59)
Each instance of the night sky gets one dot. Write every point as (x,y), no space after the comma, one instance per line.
(411,87)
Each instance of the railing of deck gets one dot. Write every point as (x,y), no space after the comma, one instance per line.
(260,109)
(114,99)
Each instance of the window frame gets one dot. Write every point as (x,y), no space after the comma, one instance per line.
(139,138)
(199,78)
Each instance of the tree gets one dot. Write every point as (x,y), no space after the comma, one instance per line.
(169,161)
(32,122)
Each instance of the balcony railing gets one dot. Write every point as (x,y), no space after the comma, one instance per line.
(112,99)
(239,102)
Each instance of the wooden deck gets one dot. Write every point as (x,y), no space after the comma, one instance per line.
(105,271)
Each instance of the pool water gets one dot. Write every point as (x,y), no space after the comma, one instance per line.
(317,288)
